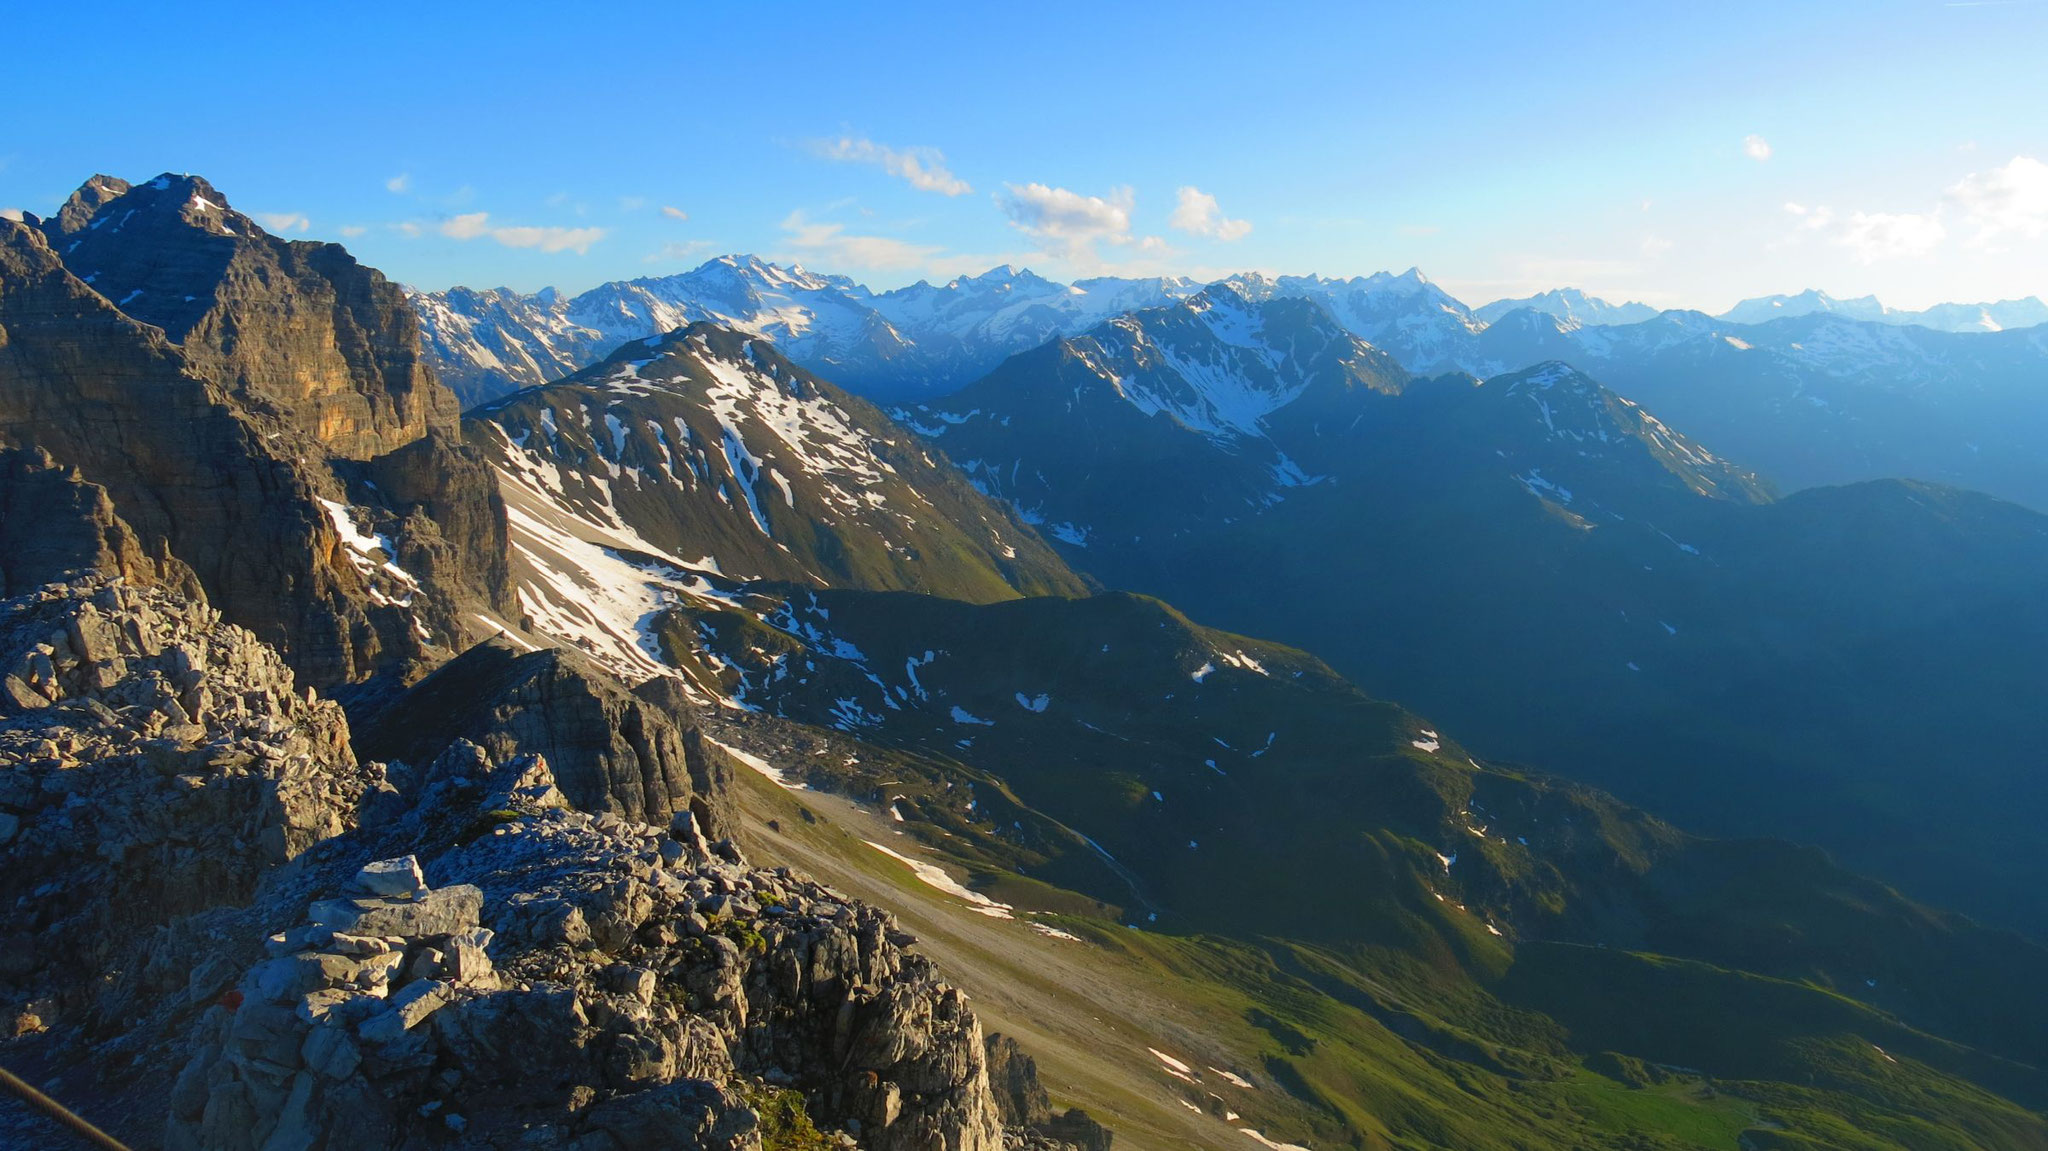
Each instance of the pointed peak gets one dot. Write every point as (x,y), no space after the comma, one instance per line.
(79,208)
(1548,375)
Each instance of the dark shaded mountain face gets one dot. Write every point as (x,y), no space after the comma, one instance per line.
(1565,578)
(1168,418)
(260,418)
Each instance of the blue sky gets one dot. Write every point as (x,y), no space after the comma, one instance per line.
(1684,155)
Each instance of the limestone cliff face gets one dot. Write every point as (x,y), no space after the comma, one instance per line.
(257,451)
(302,327)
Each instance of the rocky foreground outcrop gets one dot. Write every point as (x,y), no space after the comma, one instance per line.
(155,762)
(567,980)
(255,942)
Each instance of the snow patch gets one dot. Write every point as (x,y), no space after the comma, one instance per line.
(935,876)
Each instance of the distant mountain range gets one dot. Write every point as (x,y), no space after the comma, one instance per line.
(1995,316)
(919,340)
(1806,389)
(930,339)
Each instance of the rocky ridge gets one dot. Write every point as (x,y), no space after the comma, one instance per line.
(305,951)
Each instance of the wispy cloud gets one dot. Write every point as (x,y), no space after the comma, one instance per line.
(1197,214)
(2008,201)
(673,212)
(281,222)
(351,231)
(829,242)
(1756,147)
(632,203)
(1068,224)
(477,225)
(924,168)
(10,214)
(400,184)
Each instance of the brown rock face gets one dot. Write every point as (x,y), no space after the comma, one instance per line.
(292,451)
(331,345)
(55,527)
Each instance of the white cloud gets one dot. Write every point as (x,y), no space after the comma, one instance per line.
(1756,147)
(676,253)
(2012,200)
(351,231)
(1198,214)
(10,214)
(1875,236)
(474,225)
(399,184)
(1654,246)
(1812,219)
(1068,224)
(924,168)
(467,227)
(410,229)
(673,212)
(829,242)
(632,203)
(281,222)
